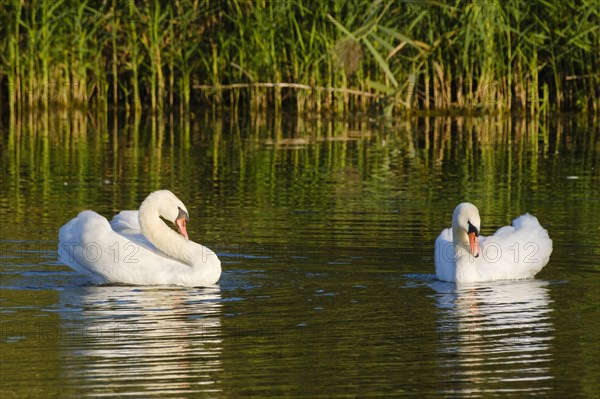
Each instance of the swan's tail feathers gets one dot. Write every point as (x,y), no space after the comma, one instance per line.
(74,245)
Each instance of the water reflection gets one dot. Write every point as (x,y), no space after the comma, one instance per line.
(302,208)
(495,336)
(143,341)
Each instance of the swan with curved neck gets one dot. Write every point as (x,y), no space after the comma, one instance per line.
(165,204)
(514,252)
(465,229)
(138,247)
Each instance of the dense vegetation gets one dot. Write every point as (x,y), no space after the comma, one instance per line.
(526,55)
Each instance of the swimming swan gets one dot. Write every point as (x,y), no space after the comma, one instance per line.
(137,247)
(514,252)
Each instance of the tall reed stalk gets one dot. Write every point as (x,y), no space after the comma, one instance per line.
(369,55)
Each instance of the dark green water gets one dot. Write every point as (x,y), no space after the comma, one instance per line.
(326,231)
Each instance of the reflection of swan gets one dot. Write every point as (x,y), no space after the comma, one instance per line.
(514,252)
(138,247)
(141,342)
(495,336)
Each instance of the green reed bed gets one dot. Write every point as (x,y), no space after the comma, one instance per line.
(383,56)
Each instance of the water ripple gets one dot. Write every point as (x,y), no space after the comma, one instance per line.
(498,333)
(146,342)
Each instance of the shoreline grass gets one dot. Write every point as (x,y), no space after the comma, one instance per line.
(532,57)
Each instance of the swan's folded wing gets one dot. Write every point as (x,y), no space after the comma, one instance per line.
(534,236)
(516,252)
(444,256)
(125,220)
(127,224)
(444,241)
(527,221)
(504,231)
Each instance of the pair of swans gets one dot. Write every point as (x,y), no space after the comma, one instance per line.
(138,248)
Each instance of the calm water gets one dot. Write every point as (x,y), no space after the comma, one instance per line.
(326,231)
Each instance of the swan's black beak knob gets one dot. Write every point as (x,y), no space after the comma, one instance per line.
(180,222)
(473,229)
(473,233)
(183,214)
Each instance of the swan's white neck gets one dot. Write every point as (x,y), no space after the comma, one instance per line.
(461,241)
(464,261)
(160,235)
(204,265)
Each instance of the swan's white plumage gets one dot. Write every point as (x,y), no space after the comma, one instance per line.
(514,252)
(123,251)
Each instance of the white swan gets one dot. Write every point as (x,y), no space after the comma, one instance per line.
(137,247)
(514,252)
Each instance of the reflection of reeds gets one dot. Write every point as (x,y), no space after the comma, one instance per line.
(478,147)
(261,166)
(479,54)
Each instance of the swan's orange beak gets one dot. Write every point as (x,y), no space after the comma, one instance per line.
(180,222)
(474,244)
